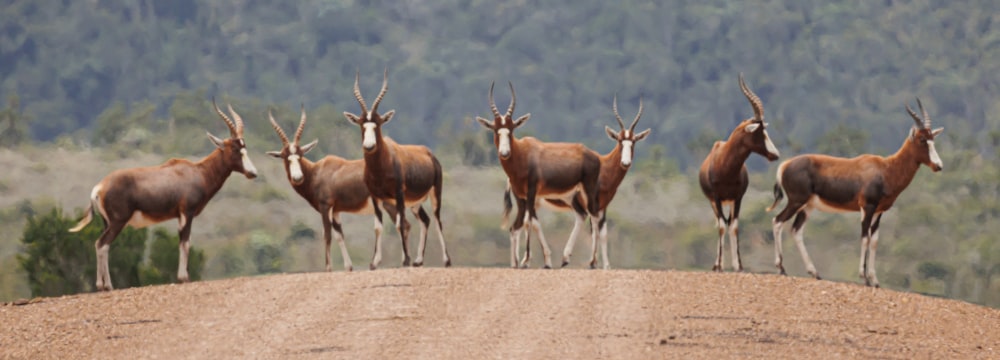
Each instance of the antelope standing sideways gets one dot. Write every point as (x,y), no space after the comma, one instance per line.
(538,170)
(866,183)
(179,188)
(723,175)
(398,175)
(614,167)
(331,185)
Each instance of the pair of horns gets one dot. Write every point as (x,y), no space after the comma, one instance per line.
(614,107)
(235,128)
(513,100)
(758,107)
(924,123)
(281,133)
(378,99)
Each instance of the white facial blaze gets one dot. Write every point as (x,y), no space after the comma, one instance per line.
(504,147)
(368,139)
(932,152)
(248,167)
(294,168)
(626,152)
(770,145)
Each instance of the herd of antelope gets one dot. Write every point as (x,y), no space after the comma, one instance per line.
(394,177)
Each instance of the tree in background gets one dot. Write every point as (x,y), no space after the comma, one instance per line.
(13,123)
(161,268)
(59,262)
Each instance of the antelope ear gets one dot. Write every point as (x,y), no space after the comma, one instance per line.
(642,135)
(353,118)
(388,116)
(611,133)
(520,121)
(275,154)
(305,148)
(913,131)
(486,123)
(752,127)
(218,142)
(937,131)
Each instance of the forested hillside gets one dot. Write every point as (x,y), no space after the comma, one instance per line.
(834,76)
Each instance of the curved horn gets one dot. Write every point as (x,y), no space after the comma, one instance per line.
(357,94)
(513,100)
(238,120)
(229,123)
(614,107)
(277,128)
(493,105)
(302,125)
(920,123)
(631,128)
(927,118)
(758,108)
(381,93)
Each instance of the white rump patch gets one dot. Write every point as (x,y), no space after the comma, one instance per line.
(626,151)
(368,139)
(504,147)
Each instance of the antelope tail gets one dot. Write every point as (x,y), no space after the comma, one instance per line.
(507,205)
(88,215)
(778,195)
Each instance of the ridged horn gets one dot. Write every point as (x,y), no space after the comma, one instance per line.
(513,100)
(614,107)
(493,105)
(631,128)
(229,123)
(302,125)
(381,93)
(277,128)
(758,108)
(357,95)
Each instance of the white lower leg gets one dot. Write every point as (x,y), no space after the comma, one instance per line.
(864,255)
(721,224)
(348,265)
(604,246)
(515,243)
(103,278)
(444,247)
(546,251)
(871,259)
(800,243)
(734,244)
(182,271)
(377,258)
(571,243)
(776,228)
(595,223)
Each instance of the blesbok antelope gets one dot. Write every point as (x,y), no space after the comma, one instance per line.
(866,183)
(330,185)
(178,188)
(723,174)
(397,175)
(538,170)
(614,167)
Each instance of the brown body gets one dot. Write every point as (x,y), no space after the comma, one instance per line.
(723,175)
(400,176)
(867,183)
(537,170)
(614,167)
(331,186)
(178,189)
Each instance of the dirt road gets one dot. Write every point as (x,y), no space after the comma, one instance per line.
(468,313)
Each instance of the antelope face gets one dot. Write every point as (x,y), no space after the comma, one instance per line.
(291,155)
(371,127)
(503,125)
(924,138)
(758,140)
(626,140)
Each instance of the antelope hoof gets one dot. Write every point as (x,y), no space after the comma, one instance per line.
(418,263)
(565,262)
(406,263)
(350,268)
(447,263)
(593,265)
(372,267)
(183,280)
(549,267)
(717,268)
(781,270)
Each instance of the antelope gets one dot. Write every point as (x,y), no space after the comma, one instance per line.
(538,170)
(331,185)
(402,176)
(178,188)
(614,167)
(866,183)
(723,174)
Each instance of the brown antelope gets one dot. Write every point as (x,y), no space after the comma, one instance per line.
(538,170)
(402,176)
(866,183)
(614,166)
(331,185)
(178,188)
(723,175)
